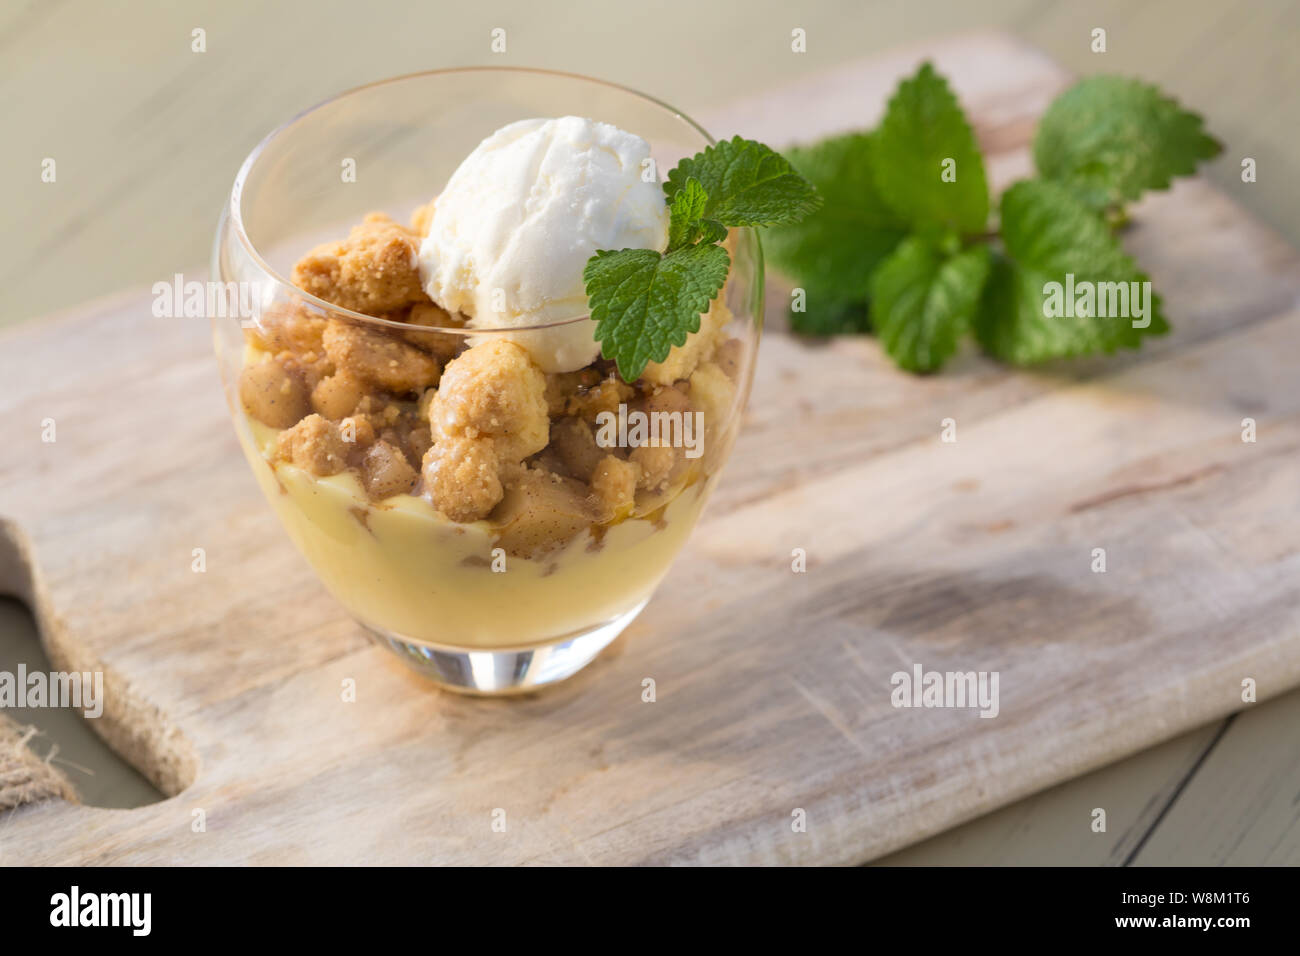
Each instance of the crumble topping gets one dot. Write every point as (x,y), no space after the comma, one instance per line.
(480,431)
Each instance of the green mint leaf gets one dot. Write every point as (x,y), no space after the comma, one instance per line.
(708,230)
(832,253)
(685,212)
(923,301)
(747,184)
(923,141)
(1109,138)
(1049,234)
(644,303)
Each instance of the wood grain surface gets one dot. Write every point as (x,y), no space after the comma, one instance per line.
(773,687)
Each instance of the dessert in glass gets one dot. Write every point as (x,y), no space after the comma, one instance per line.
(419,389)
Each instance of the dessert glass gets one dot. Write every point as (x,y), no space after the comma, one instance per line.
(438,593)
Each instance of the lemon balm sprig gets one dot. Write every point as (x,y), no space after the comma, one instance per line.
(904,249)
(646,302)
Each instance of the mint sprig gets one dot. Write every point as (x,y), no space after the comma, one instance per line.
(926,300)
(645,302)
(686,212)
(1049,233)
(926,163)
(1110,138)
(688,223)
(903,247)
(746,183)
(835,251)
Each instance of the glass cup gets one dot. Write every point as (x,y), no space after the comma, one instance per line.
(533,592)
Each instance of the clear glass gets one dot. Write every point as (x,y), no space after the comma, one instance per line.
(455,600)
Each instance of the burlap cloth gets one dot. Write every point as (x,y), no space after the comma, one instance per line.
(25,777)
(138,731)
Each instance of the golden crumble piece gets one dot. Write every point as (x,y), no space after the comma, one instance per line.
(661,463)
(396,422)
(315,445)
(313,366)
(386,472)
(286,327)
(274,392)
(380,410)
(614,481)
(713,392)
(424,403)
(542,510)
(358,435)
(379,359)
(422,218)
(374,270)
(575,447)
(444,345)
(337,396)
(462,478)
(656,464)
(668,398)
(605,397)
(562,386)
(683,359)
(493,391)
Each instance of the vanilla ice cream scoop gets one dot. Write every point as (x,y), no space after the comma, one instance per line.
(518,220)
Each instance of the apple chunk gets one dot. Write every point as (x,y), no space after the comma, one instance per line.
(542,511)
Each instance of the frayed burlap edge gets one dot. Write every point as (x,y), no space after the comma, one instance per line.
(135,729)
(25,777)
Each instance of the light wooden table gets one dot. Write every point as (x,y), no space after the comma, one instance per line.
(106,90)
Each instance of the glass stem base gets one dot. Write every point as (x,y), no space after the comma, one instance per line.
(492,672)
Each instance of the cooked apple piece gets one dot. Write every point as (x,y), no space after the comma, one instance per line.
(273,392)
(541,511)
(575,445)
(728,356)
(386,472)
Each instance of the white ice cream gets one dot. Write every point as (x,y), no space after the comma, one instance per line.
(521,216)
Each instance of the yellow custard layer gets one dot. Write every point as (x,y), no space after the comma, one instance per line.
(401,566)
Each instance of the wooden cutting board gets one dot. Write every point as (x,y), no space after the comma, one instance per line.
(773,687)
